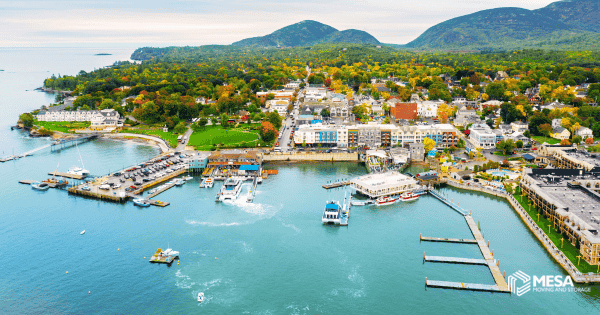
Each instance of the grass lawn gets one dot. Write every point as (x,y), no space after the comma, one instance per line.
(542,139)
(555,236)
(203,140)
(62,126)
(171,138)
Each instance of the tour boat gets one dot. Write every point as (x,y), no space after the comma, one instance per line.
(141,202)
(201,297)
(409,196)
(231,189)
(207,182)
(332,213)
(385,200)
(40,186)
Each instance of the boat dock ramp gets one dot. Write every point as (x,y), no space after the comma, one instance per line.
(345,217)
(336,184)
(488,257)
(67,175)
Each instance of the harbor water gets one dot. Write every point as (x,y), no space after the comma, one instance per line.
(272,256)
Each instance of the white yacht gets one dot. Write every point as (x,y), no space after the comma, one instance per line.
(76,170)
(201,297)
(207,182)
(40,186)
(332,213)
(230,190)
(170,252)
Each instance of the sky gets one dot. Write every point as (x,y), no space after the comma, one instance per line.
(100,23)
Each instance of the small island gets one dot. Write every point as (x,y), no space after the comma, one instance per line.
(103,54)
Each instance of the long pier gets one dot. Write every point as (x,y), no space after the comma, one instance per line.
(463,286)
(454,260)
(447,240)
(65,143)
(450,204)
(67,175)
(336,184)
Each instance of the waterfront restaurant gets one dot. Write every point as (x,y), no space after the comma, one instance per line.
(383,184)
(568,198)
(232,159)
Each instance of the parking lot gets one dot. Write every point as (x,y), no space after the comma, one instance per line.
(131,179)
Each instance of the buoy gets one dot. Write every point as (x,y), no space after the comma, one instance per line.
(118,249)
(216,258)
(89,292)
(67,272)
(144,257)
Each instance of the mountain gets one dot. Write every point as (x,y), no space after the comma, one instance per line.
(307,33)
(558,22)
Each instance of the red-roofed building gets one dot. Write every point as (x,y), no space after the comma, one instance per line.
(404,111)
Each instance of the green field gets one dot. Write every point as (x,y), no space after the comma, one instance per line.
(171,138)
(555,236)
(542,139)
(204,140)
(62,126)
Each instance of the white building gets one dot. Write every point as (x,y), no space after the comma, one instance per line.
(107,118)
(483,136)
(584,132)
(428,109)
(281,106)
(65,115)
(315,93)
(383,184)
(293,84)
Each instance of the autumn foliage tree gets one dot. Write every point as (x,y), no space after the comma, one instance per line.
(267,131)
(565,142)
(429,144)
(589,141)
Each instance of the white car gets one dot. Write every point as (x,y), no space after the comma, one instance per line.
(115,186)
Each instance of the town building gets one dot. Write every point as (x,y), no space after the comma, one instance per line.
(281,106)
(102,118)
(569,157)
(483,136)
(403,111)
(569,198)
(233,159)
(383,184)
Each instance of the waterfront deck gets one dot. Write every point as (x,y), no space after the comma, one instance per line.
(67,175)
(447,240)
(454,260)
(464,286)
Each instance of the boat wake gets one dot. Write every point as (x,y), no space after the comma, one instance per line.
(192,222)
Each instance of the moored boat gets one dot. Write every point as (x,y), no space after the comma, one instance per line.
(230,190)
(385,200)
(141,202)
(409,196)
(332,213)
(40,186)
(201,297)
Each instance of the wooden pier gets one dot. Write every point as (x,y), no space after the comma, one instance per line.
(158,203)
(67,175)
(463,286)
(454,260)
(337,184)
(65,143)
(27,181)
(450,204)
(447,240)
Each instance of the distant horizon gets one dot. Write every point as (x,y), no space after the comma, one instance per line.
(81,23)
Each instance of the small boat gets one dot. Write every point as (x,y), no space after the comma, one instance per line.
(259,180)
(179,182)
(40,186)
(385,200)
(76,170)
(170,252)
(86,188)
(188,177)
(82,232)
(201,297)
(409,196)
(141,202)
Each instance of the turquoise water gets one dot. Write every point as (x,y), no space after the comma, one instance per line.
(274,255)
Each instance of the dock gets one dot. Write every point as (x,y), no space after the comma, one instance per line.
(450,204)
(66,143)
(27,181)
(158,203)
(454,260)
(67,175)
(345,217)
(156,258)
(463,286)
(447,240)
(336,184)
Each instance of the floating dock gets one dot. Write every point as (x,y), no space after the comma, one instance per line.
(158,203)
(67,175)
(27,181)
(337,184)
(454,260)
(156,258)
(463,286)
(447,240)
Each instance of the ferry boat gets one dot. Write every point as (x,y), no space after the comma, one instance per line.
(332,213)
(409,196)
(141,202)
(201,297)
(385,200)
(231,189)
(40,186)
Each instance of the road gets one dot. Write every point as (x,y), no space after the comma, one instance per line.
(186,139)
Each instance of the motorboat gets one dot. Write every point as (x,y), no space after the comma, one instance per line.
(40,186)
(201,297)
(385,200)
(259,180)
(332,213)
(82,232)
(141,202)
(170,252)
(230,189)
(86,188)
(209,182)
(188,177)
(409,196)
(179,182)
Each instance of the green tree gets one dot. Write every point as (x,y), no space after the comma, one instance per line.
(27,120)
(577,139)
(519,144)
(224,120)
(181,127)
(274,119)
(202,122)
(506,146)
(545,129)
(495,90)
